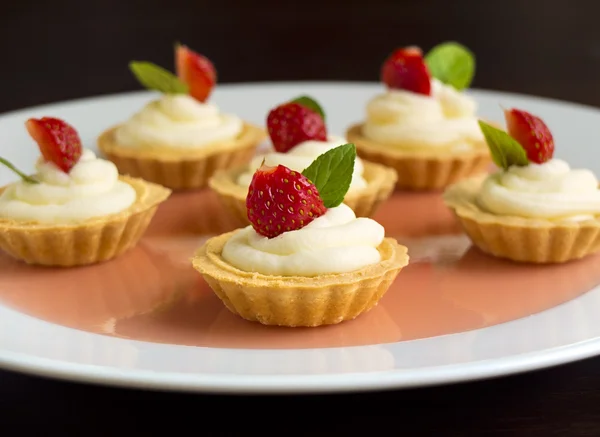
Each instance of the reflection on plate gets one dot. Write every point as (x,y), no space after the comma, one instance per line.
(153,294)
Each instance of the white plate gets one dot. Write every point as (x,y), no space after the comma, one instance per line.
(565,333)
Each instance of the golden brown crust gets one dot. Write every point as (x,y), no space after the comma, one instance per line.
(519,238)
(296,300)
(185,169)
(91,241)
(364,203)
(422,169)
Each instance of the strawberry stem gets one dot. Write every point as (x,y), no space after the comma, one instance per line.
(23,176)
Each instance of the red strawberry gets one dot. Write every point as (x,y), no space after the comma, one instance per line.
(405,69)
(532,133)
(291,123)
(58,141)
(281,200)
(196,71)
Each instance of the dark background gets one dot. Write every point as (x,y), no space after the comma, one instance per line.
(63,49)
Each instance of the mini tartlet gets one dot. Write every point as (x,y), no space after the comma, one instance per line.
(299,135)
(424,126)
(535,209)
(76,210)
(306,259)
(178,140)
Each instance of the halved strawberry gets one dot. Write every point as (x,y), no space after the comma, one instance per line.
(281,200)
(532,133)
(196,71)
(405,69)
(291,124)
(58,141)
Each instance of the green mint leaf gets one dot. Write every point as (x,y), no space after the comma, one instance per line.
(452,64)
(310,103)
(156,78)
(505,150)
(22,175)
(332,172)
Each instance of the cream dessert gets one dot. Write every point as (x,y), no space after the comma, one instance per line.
(75,210)
(536,208)
(336,242)
(179,140)
(90,189)
(300,157)
(424,125)
(445,120)
(306,259)
(179,122)
(551,190)
(299,136)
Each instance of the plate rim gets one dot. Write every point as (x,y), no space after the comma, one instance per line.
(284,83)
(299,384)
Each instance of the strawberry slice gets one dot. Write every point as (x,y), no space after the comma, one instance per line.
(532,133)
(291,124)
(405,69)
(58,141)
(196,71)
(281,200)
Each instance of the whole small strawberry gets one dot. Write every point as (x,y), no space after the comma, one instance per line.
(58,141)
(281,200)
(532,133)
(405,69)
(292,123)
(196,71)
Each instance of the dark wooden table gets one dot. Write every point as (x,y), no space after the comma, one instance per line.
(66,49)
(563,401)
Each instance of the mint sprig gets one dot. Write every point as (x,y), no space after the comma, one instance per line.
(156,78)
(331,173)
(505,150)
(451,63)
(310,103)
(22,175)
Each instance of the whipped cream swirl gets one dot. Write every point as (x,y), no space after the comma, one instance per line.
(336,242)
(91,189)
(403,119)
(178,121)
(551,190)
(300,157)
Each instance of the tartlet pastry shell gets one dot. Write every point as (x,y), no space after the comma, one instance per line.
(380,184)
(425,169)
(298,301)
(517,238)
(181,169)
(88,242)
